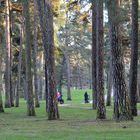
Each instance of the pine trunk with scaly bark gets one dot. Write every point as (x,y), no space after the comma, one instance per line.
(8,48)
(19,67)
(52,100)
(134,58)
(46,22)
(121,100)
(30,100)
(1,101)
(94,82)
(42,21)
(34,57)
(101,111)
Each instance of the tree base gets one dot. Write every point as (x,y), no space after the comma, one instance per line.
(7,106)
(1,110)
(37,105)
(31,113)
(69,99)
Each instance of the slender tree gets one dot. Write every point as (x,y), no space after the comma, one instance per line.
(30,100)
(67,61)
(94,82)
(52,100)
(19,67)
(101,111)
(1,101)
(109,84)
(42,19)
(8,48)
(46,23)
(121,100)
(68,76)
(34,56)
(11,58)
(134,58)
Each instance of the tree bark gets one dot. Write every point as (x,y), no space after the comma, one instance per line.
(19,68)
(61,74)
(121,100)
(94,82)
(101,111)
(134,58)
(52,100)
(30,100)
(109,85)
(48,44)
(11,59)
(1,101)
(42,19)
(68,76)
(8,48)
(34,57)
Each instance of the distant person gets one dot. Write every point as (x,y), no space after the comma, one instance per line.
(59,98)
(86,97)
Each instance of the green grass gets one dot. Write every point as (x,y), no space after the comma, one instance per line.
(78,122)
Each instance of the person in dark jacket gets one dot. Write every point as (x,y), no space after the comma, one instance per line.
(86,97)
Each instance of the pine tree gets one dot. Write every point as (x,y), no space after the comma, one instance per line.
(121,100)
(101,111)
(30,100)
(134,58)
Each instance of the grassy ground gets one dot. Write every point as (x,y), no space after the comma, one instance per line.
(78,122)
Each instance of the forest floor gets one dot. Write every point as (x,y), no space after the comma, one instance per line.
(78,122)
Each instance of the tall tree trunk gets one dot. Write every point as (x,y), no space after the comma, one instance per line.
(52,100)
(40,78)
(24,87)
(138,86)
(1,102)
(61,74)
(101,111)
(34,56)
(30,100)
(48,44)
(11,59)
(8,48)
(40,83)
(68,77)
(19,68)
(121,100)
(109,83)
(79,77)
(67,61)
(42,19)
(134,58)
(94,82)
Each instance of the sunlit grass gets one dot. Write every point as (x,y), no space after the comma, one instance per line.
(78,122)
